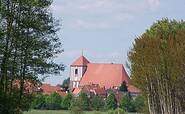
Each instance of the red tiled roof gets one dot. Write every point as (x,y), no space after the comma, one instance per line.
(132,88)
(95,88)
(92,86)
(100,92)
(47,88)
(76,91)
(30,86)
(106,75)
(81,61)
(62,93)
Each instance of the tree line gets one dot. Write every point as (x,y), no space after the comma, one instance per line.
(28,44)
(157,64)
(78,104)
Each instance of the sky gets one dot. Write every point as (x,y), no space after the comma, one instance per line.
(104,30)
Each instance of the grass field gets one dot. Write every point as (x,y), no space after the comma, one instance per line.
(55,112)
(58,112)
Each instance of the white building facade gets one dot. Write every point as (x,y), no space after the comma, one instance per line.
(77,71)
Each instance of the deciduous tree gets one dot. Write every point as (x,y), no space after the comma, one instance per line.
(97,103)
(66,102)
(126,103)
(157,66)
(111,102)
(39,102)
(53,101)
(139,104)
(28,44)
(86,101)
(77,106)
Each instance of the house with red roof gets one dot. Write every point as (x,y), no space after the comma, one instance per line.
(48,89)
(93,90)
(107,76)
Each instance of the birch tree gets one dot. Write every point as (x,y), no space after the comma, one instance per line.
(157,64)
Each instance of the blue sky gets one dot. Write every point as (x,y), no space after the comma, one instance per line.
(105,29)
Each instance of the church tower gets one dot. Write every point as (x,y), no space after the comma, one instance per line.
(77,71)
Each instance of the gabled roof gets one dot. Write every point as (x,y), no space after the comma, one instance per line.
(47,88)
(106,75)
(95,89)
(62,93)
(81,61)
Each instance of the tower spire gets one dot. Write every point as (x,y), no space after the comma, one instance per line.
(82,52)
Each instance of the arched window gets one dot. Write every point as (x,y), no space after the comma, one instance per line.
(76,71)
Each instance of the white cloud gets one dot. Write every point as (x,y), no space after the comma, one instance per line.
(89,25)
(100,14)
(154,4)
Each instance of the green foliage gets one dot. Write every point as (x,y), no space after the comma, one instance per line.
(126,103)
(157,66)
(66,102)
(139,104)
(119,111)
(28,45)
(86,101)
(58,112)
(39,102)
(77,106)
(53,101)
(111,102)
(123,87)
(110,112)
(97,103)
(66,83)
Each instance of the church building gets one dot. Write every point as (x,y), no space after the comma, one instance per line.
(82,72)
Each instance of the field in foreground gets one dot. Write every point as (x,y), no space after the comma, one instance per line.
(55,112)
(58,112)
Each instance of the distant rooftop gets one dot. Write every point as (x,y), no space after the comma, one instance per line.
(106,75)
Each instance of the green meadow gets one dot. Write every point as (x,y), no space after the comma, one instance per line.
(59,112)
(56,112)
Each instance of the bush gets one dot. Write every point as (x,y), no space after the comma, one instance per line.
(111,102)
(126,103)
(53,101)
(139,104)
(77,106)
(97,103)
(39,102)
(86,101)
(66,102)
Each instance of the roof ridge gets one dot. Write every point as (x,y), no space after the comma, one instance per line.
(81,61)
(107,63)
